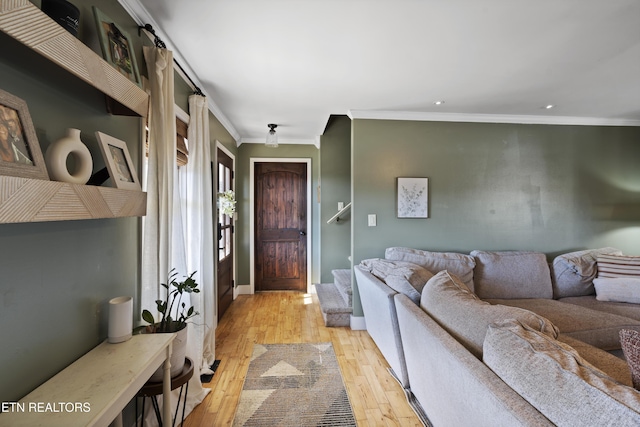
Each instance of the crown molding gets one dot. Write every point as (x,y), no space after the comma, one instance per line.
(489,118)
(315,141)
(139,14)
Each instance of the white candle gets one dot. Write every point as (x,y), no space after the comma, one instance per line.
(120,319)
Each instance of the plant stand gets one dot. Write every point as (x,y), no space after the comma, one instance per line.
(153,389)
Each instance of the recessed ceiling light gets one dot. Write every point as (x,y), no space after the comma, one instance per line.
(438,102)
(549,106)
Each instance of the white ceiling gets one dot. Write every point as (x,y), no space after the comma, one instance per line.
(295,62)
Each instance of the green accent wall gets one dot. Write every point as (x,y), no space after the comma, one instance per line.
(57,277)
(335,186)
(497,187)
(218,133)
(182,92)
(243,207)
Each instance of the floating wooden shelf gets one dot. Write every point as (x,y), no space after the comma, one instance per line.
(36,200)
(26,23)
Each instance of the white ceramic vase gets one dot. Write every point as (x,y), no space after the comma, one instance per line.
(57,154)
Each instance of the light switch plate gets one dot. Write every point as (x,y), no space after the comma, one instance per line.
(372,220)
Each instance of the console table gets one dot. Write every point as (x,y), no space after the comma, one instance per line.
(94,389)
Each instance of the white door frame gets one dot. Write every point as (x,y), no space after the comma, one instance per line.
(252,246)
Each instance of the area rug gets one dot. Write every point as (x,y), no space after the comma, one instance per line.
(294,385)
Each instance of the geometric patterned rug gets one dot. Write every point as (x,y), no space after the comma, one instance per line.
(294,385)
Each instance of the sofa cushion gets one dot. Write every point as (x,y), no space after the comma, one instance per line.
(620,308)
(554,378)
(459,264)
(597,328)
(618,266)
(573,272)
(401,276)
(617,289)
(511,274)
(615,367)
(461,313)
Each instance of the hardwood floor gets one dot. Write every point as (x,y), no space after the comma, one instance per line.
(291,317)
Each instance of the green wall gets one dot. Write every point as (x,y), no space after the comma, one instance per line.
(182,92)
(218,133)
(245,153)
(58,276)
(497,187)
(335,186)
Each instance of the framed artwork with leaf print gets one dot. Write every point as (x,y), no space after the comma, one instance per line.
(413,197)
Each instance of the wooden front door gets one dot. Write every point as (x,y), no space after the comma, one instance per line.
(225,237)
(280,226)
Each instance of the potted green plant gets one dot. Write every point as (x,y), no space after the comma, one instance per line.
(175,291)
(171,306)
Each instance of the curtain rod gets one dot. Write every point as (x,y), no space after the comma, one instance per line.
(159,43)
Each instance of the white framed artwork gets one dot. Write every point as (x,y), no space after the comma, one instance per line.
(413,197)
(119,164)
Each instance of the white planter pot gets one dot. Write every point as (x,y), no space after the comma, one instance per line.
(178,356)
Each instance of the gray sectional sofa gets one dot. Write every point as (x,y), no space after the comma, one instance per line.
(501,338)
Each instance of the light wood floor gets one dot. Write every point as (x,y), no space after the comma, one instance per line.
(291,317)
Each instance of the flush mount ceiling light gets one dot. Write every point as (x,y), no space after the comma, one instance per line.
(438,102)
(272,137)
(549,106)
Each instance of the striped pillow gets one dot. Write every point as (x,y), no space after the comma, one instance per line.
(618,266)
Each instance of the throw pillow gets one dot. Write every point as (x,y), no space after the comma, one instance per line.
(618,266)
(552,377)
(459,264)
(464,316)
(512,275)
(630,341)
(618,289)
(404,277)
(573,272)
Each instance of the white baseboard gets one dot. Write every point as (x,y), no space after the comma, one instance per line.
(358,323)
(242,290)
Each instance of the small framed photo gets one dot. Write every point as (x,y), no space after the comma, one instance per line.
(117,48)
(20,153)
(413,197)
(119,164)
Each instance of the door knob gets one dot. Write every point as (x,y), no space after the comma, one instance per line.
(302,233)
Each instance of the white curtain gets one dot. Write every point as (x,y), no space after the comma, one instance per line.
(164,233)
(198,213)
(162,246)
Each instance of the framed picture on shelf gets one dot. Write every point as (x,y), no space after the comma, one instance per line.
(117,48)
(119,164)
(413,197)
(20,153)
